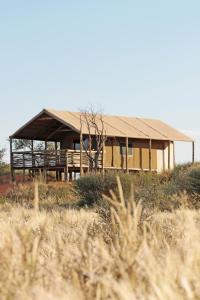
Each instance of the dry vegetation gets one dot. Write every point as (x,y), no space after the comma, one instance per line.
(123,253)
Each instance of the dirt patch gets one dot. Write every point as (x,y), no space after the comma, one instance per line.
(5,183)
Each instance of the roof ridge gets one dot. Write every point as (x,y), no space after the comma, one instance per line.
(109,115)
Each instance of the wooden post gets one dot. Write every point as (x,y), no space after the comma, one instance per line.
(174,159)
(140,153)
(112,145)
(45,163)
(56,158)
(193,152)
(103,157)
(150,148)
(81,153)
(23,168)
(70,176)
(90,153)
(32,154)
(66,167)
(169,155)
(164,156)
(11,162)
(126,154)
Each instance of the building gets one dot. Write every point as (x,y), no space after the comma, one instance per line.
(132,144)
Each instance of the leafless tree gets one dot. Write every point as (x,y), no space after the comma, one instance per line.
(93,123)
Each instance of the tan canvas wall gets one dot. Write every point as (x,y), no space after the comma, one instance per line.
(163,156)
(166,153)
(139,158)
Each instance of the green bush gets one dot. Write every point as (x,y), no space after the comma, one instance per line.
(91,187)
(193,183)
(187,177)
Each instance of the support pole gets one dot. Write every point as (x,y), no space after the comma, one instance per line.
(81,153)
(56,158)
(174,158)
(11,162)
(90,152)
(126,154)
(32,154)
(103,157)
(112,145)
(140,153)
(45,164)
(150,147)
(169,155)
(163,151)
(193,152)
(66,171)
(24,167)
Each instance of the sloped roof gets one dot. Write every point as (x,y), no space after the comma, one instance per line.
(117,126)
(123,126)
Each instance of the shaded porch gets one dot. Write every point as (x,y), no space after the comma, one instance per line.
(63,161)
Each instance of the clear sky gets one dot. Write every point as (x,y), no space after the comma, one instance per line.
(139,58)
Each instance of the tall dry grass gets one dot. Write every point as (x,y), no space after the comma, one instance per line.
(70,254)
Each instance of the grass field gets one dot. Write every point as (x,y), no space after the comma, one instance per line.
(121,250)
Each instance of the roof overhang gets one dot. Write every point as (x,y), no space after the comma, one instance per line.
(44,126)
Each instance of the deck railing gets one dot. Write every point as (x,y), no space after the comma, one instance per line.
(51,159)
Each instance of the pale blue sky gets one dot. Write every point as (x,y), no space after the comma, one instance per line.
(137,58)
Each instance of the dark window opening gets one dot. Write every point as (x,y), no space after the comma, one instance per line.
(76,144)
(123,149)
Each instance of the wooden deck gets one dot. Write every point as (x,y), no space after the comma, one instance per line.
(50,159)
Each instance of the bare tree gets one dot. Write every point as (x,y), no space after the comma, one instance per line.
(93,123)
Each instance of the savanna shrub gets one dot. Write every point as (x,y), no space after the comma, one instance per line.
(194,181)
(93,186)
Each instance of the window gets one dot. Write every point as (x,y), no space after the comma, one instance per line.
(123,149)
(77,144)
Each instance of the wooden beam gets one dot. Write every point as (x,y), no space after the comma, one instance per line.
(169,155)
(54,132)
(65,130)
(81,153)
(150,158)
(126,154)
(193,152)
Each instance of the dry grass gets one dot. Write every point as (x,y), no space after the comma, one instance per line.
(69,254)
